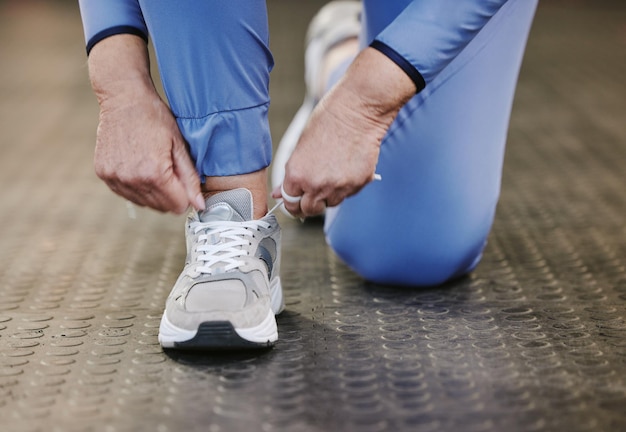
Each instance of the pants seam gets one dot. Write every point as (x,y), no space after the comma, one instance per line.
(188,117)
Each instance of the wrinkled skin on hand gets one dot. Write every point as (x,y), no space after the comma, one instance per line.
(335,157)
(337,152)
(141,155)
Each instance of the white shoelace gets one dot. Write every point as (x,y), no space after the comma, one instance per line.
(224,242)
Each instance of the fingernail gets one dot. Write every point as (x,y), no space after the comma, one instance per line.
(199,202)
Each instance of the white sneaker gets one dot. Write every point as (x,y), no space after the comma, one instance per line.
(335,22)
(229,290)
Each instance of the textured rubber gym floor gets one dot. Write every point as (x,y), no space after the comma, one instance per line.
(534,340)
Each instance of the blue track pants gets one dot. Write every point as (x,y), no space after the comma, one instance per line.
(441,161)
(427,221)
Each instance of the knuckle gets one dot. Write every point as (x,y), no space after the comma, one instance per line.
(104,172)
(144,174)
(180,208)
(294,176)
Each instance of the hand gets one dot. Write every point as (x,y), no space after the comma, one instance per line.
(335,157)
(140,153)
(337,152)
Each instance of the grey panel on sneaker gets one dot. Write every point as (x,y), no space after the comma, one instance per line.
(267,252)
(239,200)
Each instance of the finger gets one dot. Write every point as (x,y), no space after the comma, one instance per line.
(289,198)
(166,191)
(334,200)
(310,206)
(154,200)
(291,194)
(188,176)
(276,192)
(141,196)
(160,190)
(293,208)
(171,195)
(290,191)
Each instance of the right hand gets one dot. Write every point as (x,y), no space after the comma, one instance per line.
(140,152)
(141,155)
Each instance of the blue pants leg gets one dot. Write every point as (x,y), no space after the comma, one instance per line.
(427,221)
(214,61)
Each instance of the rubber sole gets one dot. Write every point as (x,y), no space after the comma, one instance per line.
(219,335)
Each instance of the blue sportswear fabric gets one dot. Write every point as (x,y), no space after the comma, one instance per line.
(104,18)
(428,34)
(214,61)
(428,220)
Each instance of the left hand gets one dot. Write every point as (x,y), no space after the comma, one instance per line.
(338,150)
(335,157)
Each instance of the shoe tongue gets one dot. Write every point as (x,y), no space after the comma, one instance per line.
(234,205)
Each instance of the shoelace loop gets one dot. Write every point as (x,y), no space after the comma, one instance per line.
(224,242)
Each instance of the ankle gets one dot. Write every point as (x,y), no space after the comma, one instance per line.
(255,182)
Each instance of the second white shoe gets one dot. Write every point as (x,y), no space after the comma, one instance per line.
(335,22)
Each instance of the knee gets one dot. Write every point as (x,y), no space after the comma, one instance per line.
(410,263)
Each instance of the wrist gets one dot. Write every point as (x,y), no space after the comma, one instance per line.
(119,69)
(380,85)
